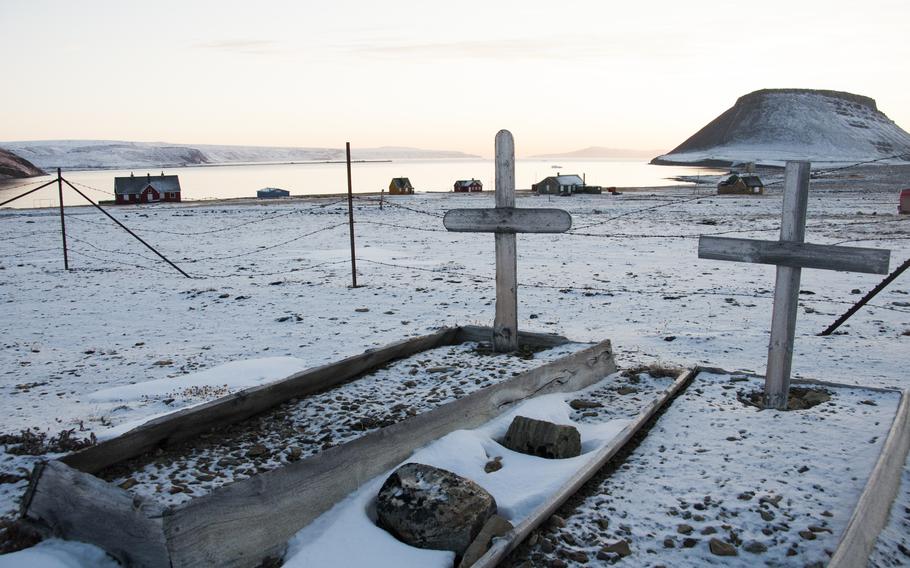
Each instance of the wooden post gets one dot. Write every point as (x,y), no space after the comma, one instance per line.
(381,195)
(505,324)
(66,261)
(351,217)
(786,289)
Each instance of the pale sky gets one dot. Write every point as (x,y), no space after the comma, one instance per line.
(561,74)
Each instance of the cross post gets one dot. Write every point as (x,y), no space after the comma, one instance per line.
(790,254)
(505,220)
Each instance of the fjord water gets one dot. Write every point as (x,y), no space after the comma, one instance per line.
(232,181)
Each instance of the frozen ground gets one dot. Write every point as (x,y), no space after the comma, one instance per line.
(275,283)
(777,486)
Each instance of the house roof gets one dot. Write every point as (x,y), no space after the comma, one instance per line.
(401,182)
(137,184)
(750,181)
(569,179)
(273,191)
(467,182)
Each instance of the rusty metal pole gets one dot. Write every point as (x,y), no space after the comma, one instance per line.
(66,261)
(351,217)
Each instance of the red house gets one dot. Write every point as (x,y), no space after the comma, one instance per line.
(903,206)
(148,189)
(468,185)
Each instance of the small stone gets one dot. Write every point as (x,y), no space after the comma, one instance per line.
(577,556)
(547,545)
(604,524)
(721,548)
(708,530)
(410,384)
(684,529)
(620,547)
(494,464)
(257,450)
(163,362)
(362,310)
(294,453)
(558,563)
(818,529)
(579,404)
(755,547)
(767,516)
(128,483)
(689,542)
(808,535)
(626,390)
(557,522)
(745,496)
(494,527)
(669,542)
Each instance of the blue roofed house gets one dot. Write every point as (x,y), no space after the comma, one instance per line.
(272,193)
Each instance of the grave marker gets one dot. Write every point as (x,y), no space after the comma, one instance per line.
(790,254)
(505,221)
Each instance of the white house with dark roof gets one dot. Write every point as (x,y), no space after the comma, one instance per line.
(146,189)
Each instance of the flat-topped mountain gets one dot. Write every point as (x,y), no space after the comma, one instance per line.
(113,154)
(12,166)
(771,126)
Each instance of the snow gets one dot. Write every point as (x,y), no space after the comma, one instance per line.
(56,553)
(106,323)
(523,483)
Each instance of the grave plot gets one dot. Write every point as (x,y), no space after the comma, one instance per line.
(719,482)
(248,519)
(525,487)
(300,428)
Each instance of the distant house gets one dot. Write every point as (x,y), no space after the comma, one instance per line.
(400,186)
(737,184)
(272,193)
(564,185)
(468,185)
(903,206)
(148,189)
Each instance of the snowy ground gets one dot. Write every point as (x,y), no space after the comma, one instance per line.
(275,282)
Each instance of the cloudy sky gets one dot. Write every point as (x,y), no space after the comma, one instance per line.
(562,75)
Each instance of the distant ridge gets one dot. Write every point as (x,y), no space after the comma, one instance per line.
(13,166)
(771,126)
(600,152)
(116,154)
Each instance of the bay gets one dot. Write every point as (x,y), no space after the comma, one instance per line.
(238,181)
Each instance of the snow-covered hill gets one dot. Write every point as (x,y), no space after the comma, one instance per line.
(112,154)
(12,166)
(771,126)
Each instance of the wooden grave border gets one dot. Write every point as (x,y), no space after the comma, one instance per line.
(239,524)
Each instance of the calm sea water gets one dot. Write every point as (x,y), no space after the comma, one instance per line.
(216,182)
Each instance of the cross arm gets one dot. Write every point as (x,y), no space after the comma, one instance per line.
(507,220)
(797,255)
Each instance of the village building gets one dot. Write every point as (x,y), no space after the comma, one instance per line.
(468,185)
(564,185)
(737,184)
(400,186)
(903,206)
(272,193)
(148,189)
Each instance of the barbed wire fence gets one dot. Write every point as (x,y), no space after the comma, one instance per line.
(91,250)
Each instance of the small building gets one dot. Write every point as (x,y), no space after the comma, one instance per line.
(400,186)
(148,189)
(564,185)
(468,185)
(903,206)
(272,193)
(737,184)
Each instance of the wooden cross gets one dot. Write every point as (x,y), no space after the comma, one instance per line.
(790,254)
(505,220)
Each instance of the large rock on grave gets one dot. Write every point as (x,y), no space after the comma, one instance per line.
(543,439)
(428,507)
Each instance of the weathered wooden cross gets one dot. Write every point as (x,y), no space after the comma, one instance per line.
(790,254)
(505,220)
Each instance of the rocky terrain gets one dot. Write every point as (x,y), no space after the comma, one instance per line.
(12,166)
(771,126)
